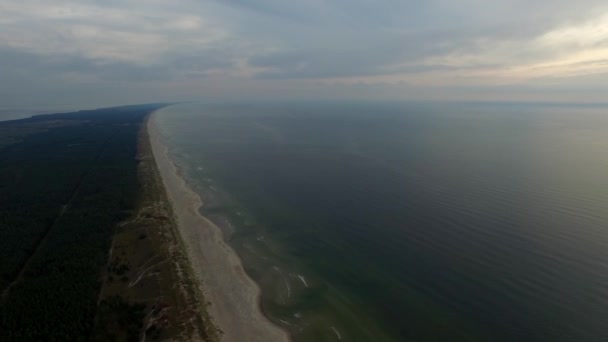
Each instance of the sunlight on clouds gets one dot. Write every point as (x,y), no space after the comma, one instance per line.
(568,51)
(183,45)
(576,50)
(586,34)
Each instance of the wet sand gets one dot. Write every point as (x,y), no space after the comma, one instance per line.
(234,297)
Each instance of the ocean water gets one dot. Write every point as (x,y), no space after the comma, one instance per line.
(399,222)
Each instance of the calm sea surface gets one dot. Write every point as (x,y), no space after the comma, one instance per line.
(387,222)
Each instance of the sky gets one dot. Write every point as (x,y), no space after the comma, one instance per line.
(94,52)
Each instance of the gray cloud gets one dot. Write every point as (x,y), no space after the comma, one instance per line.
(189,48)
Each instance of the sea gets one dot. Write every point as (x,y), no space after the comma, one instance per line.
(409,221)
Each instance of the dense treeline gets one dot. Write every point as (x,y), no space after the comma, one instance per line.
(62,191)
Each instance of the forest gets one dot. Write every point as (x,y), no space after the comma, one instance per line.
(66,180)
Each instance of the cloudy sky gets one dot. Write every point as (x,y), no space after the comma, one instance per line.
(94,52)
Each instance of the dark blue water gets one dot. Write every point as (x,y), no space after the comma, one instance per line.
(411,222)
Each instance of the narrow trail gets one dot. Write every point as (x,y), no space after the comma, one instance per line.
(19,277)
(142,273)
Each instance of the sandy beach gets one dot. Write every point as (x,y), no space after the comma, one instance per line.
(234,297)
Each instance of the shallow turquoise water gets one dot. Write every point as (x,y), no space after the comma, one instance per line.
(370,222)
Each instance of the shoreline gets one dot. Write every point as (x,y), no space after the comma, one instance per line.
(233,296)
(146,254)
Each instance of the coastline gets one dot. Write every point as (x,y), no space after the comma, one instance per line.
(147,278)
(233,296)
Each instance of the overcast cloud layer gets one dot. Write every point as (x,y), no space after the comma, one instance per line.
(90,52)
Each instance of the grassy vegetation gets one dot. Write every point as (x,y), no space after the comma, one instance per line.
(66,182)
(148,273)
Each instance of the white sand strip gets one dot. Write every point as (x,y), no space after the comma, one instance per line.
(234,297)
